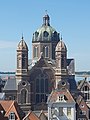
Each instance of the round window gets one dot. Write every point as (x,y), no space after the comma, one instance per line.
(23,83)
(63,83)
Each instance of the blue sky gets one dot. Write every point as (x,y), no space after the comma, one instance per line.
(69,17)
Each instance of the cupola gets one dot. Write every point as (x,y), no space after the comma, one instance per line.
(61,46)
(46,32)
(22,45)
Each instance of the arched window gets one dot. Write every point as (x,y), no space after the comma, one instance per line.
(35,51)
(19,63)
(46,51)
(55,34)
(85,88)
(45,34)
(23,96)
(36,34)
(23,61)
(62,61)
(42,88)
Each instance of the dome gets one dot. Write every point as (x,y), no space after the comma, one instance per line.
(22,45)
(61,46)
(46,32)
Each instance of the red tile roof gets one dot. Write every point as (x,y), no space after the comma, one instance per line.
(11,106)
(31,116)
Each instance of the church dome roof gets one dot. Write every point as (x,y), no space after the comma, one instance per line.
(61,46)
(46,32)
(22,45)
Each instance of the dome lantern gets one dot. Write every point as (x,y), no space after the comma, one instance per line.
(46,20)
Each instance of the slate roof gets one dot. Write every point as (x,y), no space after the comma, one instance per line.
(11,84)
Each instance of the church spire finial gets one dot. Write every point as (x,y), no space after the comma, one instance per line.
(22,36)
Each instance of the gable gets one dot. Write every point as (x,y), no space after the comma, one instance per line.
(61,96)
(31,116)
(82,84)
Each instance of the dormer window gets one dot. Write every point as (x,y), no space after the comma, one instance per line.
(61,98)
(36,34)
(12,116)
(45,34)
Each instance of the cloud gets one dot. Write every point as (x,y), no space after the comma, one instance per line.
(7,44)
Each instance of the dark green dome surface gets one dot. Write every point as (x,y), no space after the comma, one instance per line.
(45,32)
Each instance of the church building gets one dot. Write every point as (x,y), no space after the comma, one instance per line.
(48,69)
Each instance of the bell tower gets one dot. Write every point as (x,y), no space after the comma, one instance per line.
(61,65)
(22,60)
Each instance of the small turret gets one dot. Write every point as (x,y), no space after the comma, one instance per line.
(22,60)
(61,65)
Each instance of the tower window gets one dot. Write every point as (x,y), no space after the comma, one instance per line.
(23,96)
(35,51)
(46,51)
(19,63)
(62,61)
(23,61)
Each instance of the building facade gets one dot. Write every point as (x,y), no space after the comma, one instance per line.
(48,72)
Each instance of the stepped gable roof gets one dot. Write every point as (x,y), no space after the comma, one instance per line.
(65,92)
(10,85)
(31,116)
